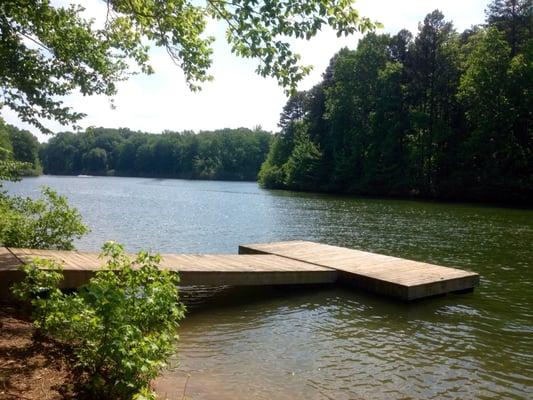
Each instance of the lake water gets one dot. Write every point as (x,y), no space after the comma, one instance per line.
(329,342)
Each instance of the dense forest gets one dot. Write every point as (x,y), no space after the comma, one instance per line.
(20,145)
(441,115)
(229,154)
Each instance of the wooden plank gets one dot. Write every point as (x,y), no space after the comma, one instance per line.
(194,269)
(391,276)
(9,273)
(8,261)
(293,262)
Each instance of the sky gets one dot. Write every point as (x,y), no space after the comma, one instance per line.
(237,97)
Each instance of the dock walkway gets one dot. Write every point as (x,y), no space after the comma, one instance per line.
(385,275)
(282,263)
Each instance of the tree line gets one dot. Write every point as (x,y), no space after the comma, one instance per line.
(231,154)
(443,114)
(228,154)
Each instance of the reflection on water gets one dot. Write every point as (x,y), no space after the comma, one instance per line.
(329,342)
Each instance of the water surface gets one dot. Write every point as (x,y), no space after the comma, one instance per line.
(329,342)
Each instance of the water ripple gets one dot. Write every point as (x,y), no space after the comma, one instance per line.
(337,344)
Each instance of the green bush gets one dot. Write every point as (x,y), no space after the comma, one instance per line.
(302,167)
(47,223)
(271,176)
(121,325)
(10,170)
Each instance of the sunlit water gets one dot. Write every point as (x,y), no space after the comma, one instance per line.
(329,342)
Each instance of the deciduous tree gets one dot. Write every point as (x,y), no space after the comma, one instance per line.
(48,51)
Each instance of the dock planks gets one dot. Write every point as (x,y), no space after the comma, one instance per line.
(194,269)
(386,275)
(281,263)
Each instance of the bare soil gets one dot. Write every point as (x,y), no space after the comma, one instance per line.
(31,368)
(36,368)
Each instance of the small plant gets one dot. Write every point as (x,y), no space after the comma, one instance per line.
(45,223)
(39,287)
(121,325)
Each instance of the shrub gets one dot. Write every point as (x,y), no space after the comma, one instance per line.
(271,176)
(47,223)
(121,324)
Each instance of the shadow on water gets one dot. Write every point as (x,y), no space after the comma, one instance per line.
(206,299)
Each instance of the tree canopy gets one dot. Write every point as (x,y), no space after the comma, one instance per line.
(442,115)
(231,154)
(18,153)
(49,51)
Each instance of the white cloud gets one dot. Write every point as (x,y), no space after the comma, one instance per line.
(237,96)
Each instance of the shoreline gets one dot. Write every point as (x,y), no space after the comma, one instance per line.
(32,369)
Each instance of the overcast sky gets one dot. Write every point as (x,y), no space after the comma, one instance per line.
(237,97)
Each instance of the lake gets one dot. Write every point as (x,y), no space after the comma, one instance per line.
(328,342)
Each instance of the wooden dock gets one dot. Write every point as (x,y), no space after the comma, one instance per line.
(385,275)
(282,263)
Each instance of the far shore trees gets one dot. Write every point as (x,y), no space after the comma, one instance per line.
(226,154)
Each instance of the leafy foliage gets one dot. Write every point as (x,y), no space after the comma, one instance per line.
(11,170)
(18,153)
(513,18)
(48,51)
(302,166)
(301,170)
(233,154)
(121,325)
(47,223)
(440,115)
(25,149)
(41,280)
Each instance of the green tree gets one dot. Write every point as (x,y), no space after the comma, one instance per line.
(301,169)
(95,161)
(121,325)
(234,154)
(433,84)
(25,149)
(48,51)
(272,174)
(47,223)
(62,155)
(386,165)
(440,115)
(496,91)
(294,110)
(127,154)
(18,153)
(349,103)
(6,148)
(513,17)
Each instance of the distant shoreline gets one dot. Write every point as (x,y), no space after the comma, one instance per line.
(149,176)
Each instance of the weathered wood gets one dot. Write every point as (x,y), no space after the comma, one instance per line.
(194,269)
(282,263)
(390,276)
(8,272)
